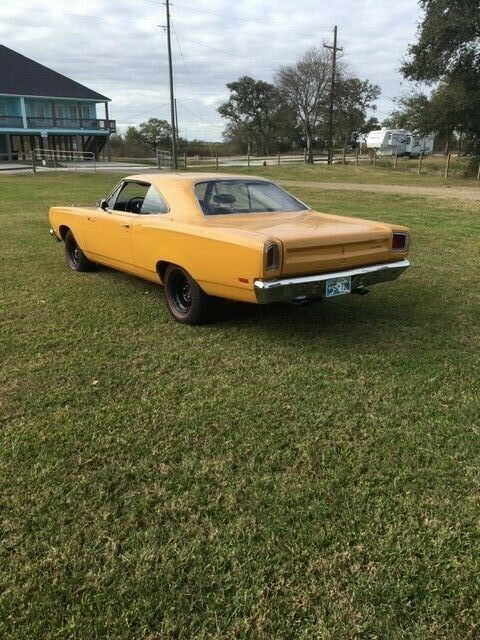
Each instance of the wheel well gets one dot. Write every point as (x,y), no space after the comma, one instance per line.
(63,231)
(161,268)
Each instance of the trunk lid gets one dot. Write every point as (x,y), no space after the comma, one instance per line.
(318,243)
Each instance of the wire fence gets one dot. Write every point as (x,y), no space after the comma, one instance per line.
(446,166)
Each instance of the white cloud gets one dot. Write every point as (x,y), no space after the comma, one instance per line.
(117,48)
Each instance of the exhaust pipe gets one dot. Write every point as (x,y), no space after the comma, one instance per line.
(360,291)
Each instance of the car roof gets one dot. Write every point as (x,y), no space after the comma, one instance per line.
(191,177)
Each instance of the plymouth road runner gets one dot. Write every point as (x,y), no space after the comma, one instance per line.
(237,237)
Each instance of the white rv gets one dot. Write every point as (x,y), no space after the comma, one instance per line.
(389,142)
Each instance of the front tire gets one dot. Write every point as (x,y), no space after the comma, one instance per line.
(186,302)
(75,257)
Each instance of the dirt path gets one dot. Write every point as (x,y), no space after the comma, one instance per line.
(461,193)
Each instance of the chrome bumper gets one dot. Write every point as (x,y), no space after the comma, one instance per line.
(285,289)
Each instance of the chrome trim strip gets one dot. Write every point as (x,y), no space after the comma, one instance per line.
(271,284)
(291,288)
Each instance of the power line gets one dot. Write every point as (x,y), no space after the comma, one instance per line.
(186,68)
(197,115)
(148,113)
(228,53)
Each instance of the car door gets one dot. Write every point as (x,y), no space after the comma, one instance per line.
(108,229)
(148,229)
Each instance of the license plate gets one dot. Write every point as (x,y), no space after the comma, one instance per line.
(338,286)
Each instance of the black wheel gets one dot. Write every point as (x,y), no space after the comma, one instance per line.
(185,300)
(76,259)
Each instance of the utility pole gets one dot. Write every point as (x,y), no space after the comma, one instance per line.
(334,50)
(176,124)
(172,97)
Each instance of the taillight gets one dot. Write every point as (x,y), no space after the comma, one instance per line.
(399,241)
(272,256)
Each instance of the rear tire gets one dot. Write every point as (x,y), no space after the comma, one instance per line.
(186,301)
(75,257)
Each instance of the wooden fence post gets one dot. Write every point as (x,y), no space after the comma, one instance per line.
(278,158)
(216,161)
(356,157)
(185,159)
(420,162)
(344,157)
(248,158)
(374,158)
(34,164)
(395,162)
(305,156)
(447,165)
(478,173)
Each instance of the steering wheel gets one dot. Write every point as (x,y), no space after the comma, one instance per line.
(134,204)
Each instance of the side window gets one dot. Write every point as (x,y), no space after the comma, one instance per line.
(131,197)
(153,202)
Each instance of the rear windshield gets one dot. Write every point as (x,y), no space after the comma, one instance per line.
(220,197)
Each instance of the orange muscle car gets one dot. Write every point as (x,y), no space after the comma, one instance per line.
(237,237)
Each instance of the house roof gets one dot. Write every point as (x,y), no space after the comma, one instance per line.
(22,76)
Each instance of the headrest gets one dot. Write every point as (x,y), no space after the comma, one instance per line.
(224,198)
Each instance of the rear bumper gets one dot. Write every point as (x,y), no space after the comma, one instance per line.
(285,289)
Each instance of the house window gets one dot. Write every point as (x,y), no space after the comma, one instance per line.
(85,111)
(3,108)
(39,110)
(72,111)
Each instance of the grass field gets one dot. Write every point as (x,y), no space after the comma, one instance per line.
(365,173)
(283,473)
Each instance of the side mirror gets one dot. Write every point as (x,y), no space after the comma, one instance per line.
(104,204)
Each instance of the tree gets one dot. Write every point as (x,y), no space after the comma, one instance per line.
(251,109)
(305,88)
(154,132)
(447,56)
(353,98)
(438,113)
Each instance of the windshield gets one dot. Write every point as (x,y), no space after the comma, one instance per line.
(219,197)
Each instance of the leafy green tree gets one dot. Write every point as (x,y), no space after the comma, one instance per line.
(353,98)
(155,132)
(447,56)
(252,110)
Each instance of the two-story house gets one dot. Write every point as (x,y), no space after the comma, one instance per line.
(42,109)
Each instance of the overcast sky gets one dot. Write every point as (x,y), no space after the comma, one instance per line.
(118,48)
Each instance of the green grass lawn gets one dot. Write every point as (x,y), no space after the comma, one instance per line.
(286,472)
(365,173)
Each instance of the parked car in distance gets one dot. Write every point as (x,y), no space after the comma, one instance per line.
(230,236)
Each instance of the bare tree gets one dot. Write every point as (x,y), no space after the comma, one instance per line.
(305,87)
